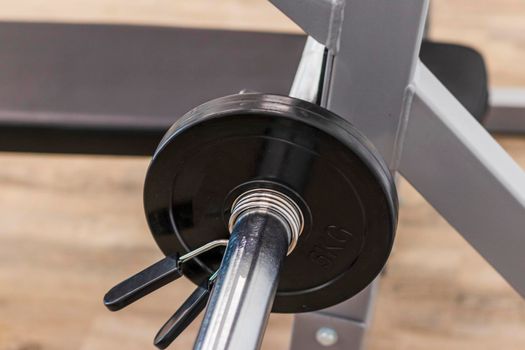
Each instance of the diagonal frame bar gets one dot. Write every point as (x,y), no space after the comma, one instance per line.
(466,176)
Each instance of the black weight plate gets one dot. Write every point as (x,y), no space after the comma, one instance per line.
(229,145)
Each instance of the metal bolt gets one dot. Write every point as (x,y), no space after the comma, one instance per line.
(326,336)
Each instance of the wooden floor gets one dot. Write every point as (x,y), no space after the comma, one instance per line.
(72,226)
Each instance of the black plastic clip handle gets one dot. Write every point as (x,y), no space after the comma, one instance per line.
(184,316)
(153,278)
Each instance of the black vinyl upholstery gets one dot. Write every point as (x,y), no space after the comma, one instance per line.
(114,89)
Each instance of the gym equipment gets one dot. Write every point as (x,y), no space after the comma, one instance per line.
(283,176)
(362,63)
(72,106)
(256,142)
(376,81)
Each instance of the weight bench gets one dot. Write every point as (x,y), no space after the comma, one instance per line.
(114,89)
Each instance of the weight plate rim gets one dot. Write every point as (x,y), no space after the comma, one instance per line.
(311,114)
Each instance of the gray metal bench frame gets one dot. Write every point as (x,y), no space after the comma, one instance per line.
(377,82)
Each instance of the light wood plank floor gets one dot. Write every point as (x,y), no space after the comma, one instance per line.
(71,226)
